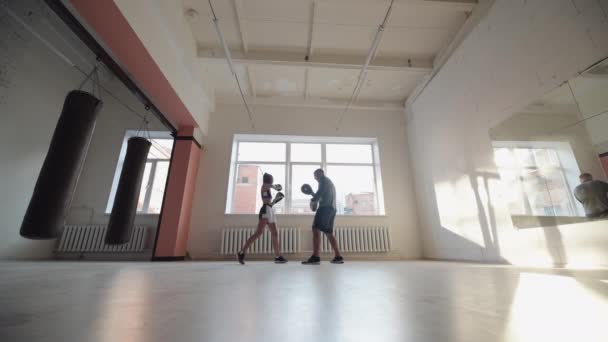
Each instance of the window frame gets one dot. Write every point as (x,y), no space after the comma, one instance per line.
(288,190)
(150,181)
(568,170)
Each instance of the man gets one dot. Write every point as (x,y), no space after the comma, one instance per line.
(325,200)
(593,194)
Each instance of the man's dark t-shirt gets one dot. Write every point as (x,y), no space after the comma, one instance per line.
(594,197)
(326,194)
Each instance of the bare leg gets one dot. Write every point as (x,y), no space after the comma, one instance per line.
(333,242)
(274,234)
(255,236)
(316,241)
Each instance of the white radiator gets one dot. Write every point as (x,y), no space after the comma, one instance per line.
(359,240)
(234,238)
(90,238)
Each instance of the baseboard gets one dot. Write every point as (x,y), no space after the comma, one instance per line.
(303,256)
(468,261)
(92,256)
(169,258)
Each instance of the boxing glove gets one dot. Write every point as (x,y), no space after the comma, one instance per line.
(277,198)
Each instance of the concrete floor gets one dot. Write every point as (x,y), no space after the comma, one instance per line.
(357,301)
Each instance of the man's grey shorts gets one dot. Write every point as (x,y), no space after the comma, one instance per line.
(324,219)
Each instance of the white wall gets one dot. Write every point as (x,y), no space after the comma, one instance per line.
(34,84)
(208,216)
(518,51)
(95,181)
(162,27)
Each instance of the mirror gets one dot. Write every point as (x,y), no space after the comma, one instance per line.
(542,149)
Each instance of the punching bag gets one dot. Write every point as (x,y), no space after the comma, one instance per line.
(57,180)
(124,209)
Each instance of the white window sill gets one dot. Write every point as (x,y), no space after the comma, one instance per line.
(525,222)
(138,214)
(308,215)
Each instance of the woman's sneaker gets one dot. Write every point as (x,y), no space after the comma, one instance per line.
(241,258)
(337,260)
(313,260)
(280,260)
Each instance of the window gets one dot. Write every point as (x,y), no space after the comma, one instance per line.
(155,173)
(351,163)
(536,178)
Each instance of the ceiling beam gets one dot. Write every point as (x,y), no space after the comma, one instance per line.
(311,34)
(376,48)
(251,78)
(240,23)
(216,56)
(361,85)
(455,5)
(306,84)
(450,5)
(299,102)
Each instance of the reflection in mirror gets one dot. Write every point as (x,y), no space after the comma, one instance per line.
(552,155)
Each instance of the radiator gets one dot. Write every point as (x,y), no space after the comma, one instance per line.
(359,240)
(90,238)
(234,238)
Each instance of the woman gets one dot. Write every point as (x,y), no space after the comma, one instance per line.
(266,217)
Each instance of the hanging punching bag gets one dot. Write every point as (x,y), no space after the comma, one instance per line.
(57,180)
(124,209)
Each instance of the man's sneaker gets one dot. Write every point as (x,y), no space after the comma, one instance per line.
(337,260)
(313,260)
(280,260)
(241,258)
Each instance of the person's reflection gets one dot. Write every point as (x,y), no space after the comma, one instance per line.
(593,195)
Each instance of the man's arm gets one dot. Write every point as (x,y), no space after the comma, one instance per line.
(320,192)
(579,193)
(605,187)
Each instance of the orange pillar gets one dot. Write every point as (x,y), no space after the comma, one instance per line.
(172,236)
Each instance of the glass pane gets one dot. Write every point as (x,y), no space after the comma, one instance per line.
(503,157)
(160,149)
(158,187)
(537,193)
(306,152)
(559,193)
(255,151)
(546,158)
(513,191)
(355,189)
(349,153)
(246,198)
(524,157)
(144,186)
(301,174)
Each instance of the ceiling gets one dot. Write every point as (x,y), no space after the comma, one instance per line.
(310,52)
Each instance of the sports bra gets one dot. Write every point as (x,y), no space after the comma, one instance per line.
(266,194)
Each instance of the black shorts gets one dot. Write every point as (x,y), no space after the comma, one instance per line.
(324,219)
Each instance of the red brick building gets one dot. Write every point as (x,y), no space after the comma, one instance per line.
(246,198)
(360,204)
